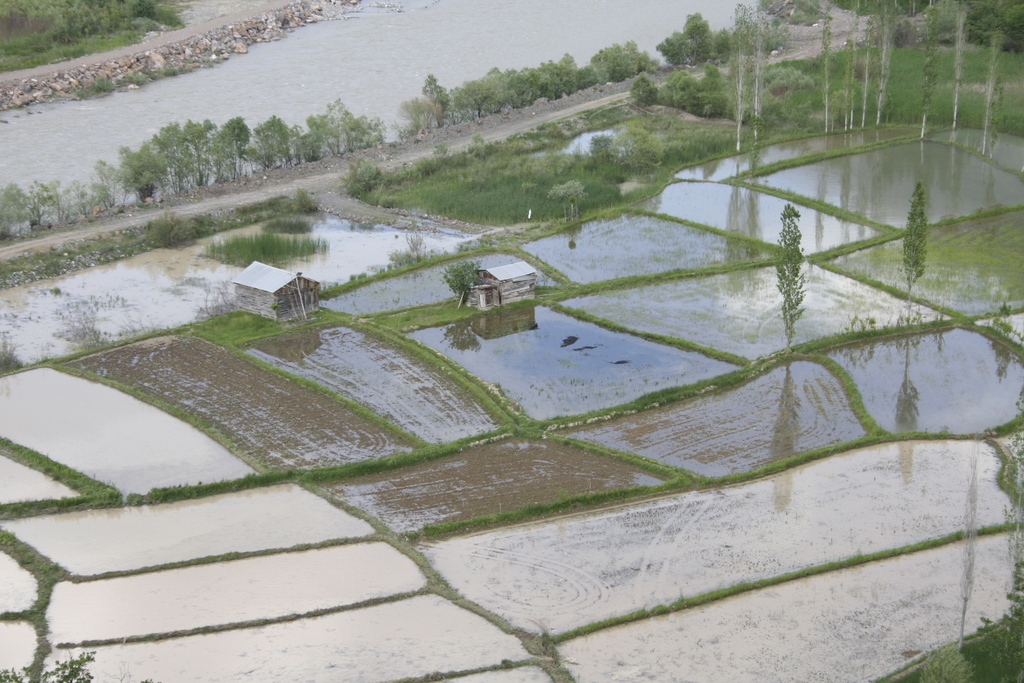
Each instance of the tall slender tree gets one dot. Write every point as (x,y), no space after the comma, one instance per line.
(741,40)
(789,271)
(991,90)
(868,54)
(929,73)
(826,64)
(886,43)
(958,60)
(914,245)
(970,540)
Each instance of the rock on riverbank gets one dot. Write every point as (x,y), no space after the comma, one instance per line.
(185,54)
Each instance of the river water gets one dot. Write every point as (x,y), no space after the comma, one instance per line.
(372,62)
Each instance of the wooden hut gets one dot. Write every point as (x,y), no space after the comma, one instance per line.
(504,285)
(275,293)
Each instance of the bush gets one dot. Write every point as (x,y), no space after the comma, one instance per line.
(643,91)
(304,202)
(947,665)
(363,178)
(170,230)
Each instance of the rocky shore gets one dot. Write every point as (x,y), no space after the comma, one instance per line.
(182,55)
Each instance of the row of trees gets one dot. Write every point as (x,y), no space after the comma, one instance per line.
(185,156)
(498,90)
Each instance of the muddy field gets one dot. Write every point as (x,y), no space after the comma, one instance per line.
(566,572)
(108,435)
(274,421)
(119,539)
(415,395)
(788,411)
(486,480)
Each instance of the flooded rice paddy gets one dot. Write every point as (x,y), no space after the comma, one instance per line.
(424,286)
(753,214)
(525,674)
(108,435)
(17,644)
(790,410)
(229,592)
(567,572)
(973,267)
(17,586)
(20,483)
(953,381)
(878,184)
(165,288)
(1007,150)
(638,245)
(486,480)
(740,312)
(404,639)
(278,422)
(554,365)
(862,622)
(720,169)
(119,539)
(415,395)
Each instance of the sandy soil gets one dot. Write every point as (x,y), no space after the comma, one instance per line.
(322,178)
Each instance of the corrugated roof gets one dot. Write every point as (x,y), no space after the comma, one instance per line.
(512,270)
(263,277)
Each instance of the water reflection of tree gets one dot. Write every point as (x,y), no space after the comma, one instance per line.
(787,425)
(907,396)
(1004,357)
(460,336)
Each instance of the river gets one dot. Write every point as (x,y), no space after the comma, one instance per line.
(372,62)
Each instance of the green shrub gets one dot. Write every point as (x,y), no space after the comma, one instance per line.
(304,202)
(170,230)
(363,177)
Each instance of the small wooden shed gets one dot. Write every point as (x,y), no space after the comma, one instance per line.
(275,293)
(504,285)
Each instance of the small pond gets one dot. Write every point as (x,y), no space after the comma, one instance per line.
(973,267)
(726,168)
(953,381)
(878,184)
(415,395)
(864,621)
(740,312)
(638,245)
(486,480)
(753,214)
(412,289)
(790,410)
(229,592)
(107,435)
(118,539)
(567,572)
(406,639)
(553,364)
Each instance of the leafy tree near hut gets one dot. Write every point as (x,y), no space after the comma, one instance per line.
(570,193)
(789,270)
(460,277)
(914,244)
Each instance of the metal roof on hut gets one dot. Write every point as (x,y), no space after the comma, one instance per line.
(276,293)
(503,285)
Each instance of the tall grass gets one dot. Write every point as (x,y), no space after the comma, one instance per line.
(266,247)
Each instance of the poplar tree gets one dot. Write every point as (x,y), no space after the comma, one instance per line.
(914,239)
(991,88)
(958,60)
(789,271)
(886,43)
(826,60)
(741,46)
(929,74)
